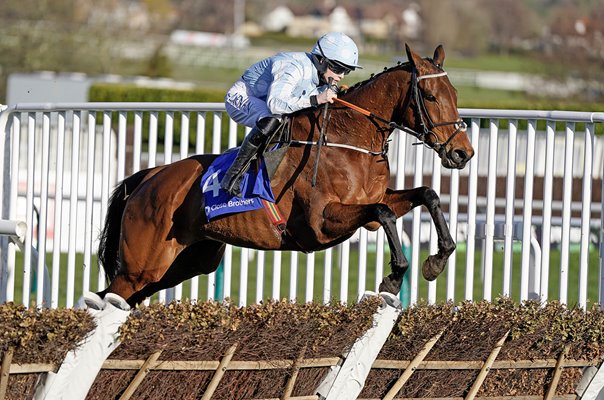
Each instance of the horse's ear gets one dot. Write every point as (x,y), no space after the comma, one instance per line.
(413,58)
(439,56)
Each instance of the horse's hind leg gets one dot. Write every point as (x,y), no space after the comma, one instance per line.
(402,201)
(146,252)
(199,258)
(157,224)
(341,219)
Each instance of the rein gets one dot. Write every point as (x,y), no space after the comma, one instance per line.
(426,129)
(322,134)
(323,139)
(420,109)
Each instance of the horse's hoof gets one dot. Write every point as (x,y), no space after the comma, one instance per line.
(391,285)
(432,268)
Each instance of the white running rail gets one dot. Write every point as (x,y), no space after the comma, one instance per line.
(524,211)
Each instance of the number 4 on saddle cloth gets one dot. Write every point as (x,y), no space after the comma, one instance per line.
(255,186)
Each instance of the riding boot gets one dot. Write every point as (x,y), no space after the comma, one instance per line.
(231,182)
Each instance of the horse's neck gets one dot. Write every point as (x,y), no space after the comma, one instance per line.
(380,95)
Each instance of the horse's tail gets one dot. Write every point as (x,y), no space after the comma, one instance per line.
(109,239)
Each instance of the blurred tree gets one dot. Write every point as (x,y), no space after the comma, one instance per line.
(577,39)
(205,16)
(36,35)
(159,65)
(163,15)
(507,32)
(439,23)
(161,8)
(472,36)
(60,36)
(461,26)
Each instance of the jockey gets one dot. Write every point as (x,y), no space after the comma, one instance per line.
(283,84)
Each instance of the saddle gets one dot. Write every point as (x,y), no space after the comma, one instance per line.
(256,180)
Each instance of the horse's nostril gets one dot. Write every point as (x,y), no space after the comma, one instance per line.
(460,155)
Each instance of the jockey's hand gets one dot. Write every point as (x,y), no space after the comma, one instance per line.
(327,96)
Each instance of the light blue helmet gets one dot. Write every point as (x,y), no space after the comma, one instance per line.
(336,46)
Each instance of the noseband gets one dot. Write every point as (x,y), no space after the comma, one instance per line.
(426,125)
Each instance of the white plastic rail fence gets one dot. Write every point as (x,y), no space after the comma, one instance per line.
(524,211)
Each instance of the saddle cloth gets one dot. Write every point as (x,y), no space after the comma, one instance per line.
(255,187)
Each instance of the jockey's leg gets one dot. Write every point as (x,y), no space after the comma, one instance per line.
(257,137)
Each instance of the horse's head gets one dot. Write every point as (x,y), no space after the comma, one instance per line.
(430,110)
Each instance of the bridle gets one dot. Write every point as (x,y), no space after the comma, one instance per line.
(426,124)
(427,129)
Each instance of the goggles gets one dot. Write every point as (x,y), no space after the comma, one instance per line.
(336,67)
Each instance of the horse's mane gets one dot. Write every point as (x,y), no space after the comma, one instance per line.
(399,65)
(358,85)
(374,76)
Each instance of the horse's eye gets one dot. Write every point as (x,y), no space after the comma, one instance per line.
(430,97)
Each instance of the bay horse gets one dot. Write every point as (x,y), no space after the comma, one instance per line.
(157,235)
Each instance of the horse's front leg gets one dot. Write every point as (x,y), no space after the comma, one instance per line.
(402,201)
(343,219)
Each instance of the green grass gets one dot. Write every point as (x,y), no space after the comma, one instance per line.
(475,97)
(441,295)
(503,63)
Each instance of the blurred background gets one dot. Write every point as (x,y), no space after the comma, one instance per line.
(546,54)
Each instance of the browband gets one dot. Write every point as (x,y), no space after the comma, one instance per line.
(421,78)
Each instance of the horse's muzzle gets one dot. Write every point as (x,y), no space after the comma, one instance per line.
(456,158)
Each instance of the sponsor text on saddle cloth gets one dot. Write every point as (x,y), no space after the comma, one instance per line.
(255,186)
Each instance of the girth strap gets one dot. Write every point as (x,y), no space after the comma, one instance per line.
(344,146)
